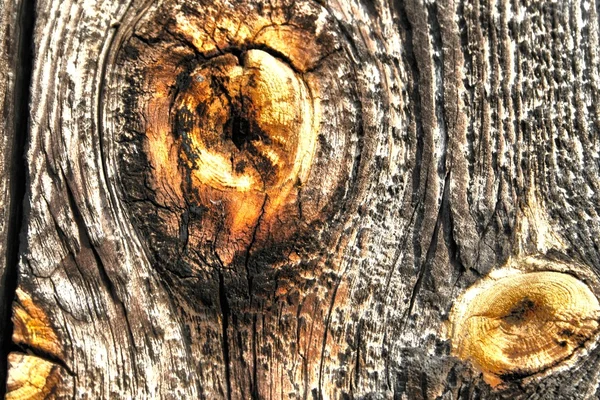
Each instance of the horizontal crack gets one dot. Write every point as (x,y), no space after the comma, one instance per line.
(25,348)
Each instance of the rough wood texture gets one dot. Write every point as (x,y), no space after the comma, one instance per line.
(321,254)
(8,60)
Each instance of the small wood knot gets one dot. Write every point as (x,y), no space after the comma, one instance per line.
(30,377)
(522,323)
(33,375)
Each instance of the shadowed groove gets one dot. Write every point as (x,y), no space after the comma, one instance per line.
(18,180)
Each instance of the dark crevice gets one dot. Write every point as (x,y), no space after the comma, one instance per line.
(239,52)
(424,385)
(18,184)
(358,355)
(254,392)
(243,131)
(249,276)
(224,304)
(242,127)
(449,237)
(39,353)
(429,257)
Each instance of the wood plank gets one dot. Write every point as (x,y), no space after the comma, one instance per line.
(285,199)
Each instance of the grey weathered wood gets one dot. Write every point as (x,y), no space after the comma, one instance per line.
(456,135)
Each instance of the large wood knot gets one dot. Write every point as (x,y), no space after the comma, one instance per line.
(229,142)
(520,323)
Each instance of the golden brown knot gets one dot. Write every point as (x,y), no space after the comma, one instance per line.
(245,127)
(246,123)
(228,132)
(31,376)
(522,323)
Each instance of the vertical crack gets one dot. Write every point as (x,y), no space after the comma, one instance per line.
(429,257)
(249,276)
(254,392)
(225,326)
(17,176)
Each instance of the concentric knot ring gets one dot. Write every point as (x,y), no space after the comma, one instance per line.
(523,323)
(228,128)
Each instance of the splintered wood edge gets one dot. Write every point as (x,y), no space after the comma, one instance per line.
(524,319)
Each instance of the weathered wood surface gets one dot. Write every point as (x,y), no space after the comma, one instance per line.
(7,133)
(15,65)
(443,140)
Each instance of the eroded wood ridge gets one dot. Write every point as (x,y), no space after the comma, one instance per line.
(285,199)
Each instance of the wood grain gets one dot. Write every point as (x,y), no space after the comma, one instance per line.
(450,138)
